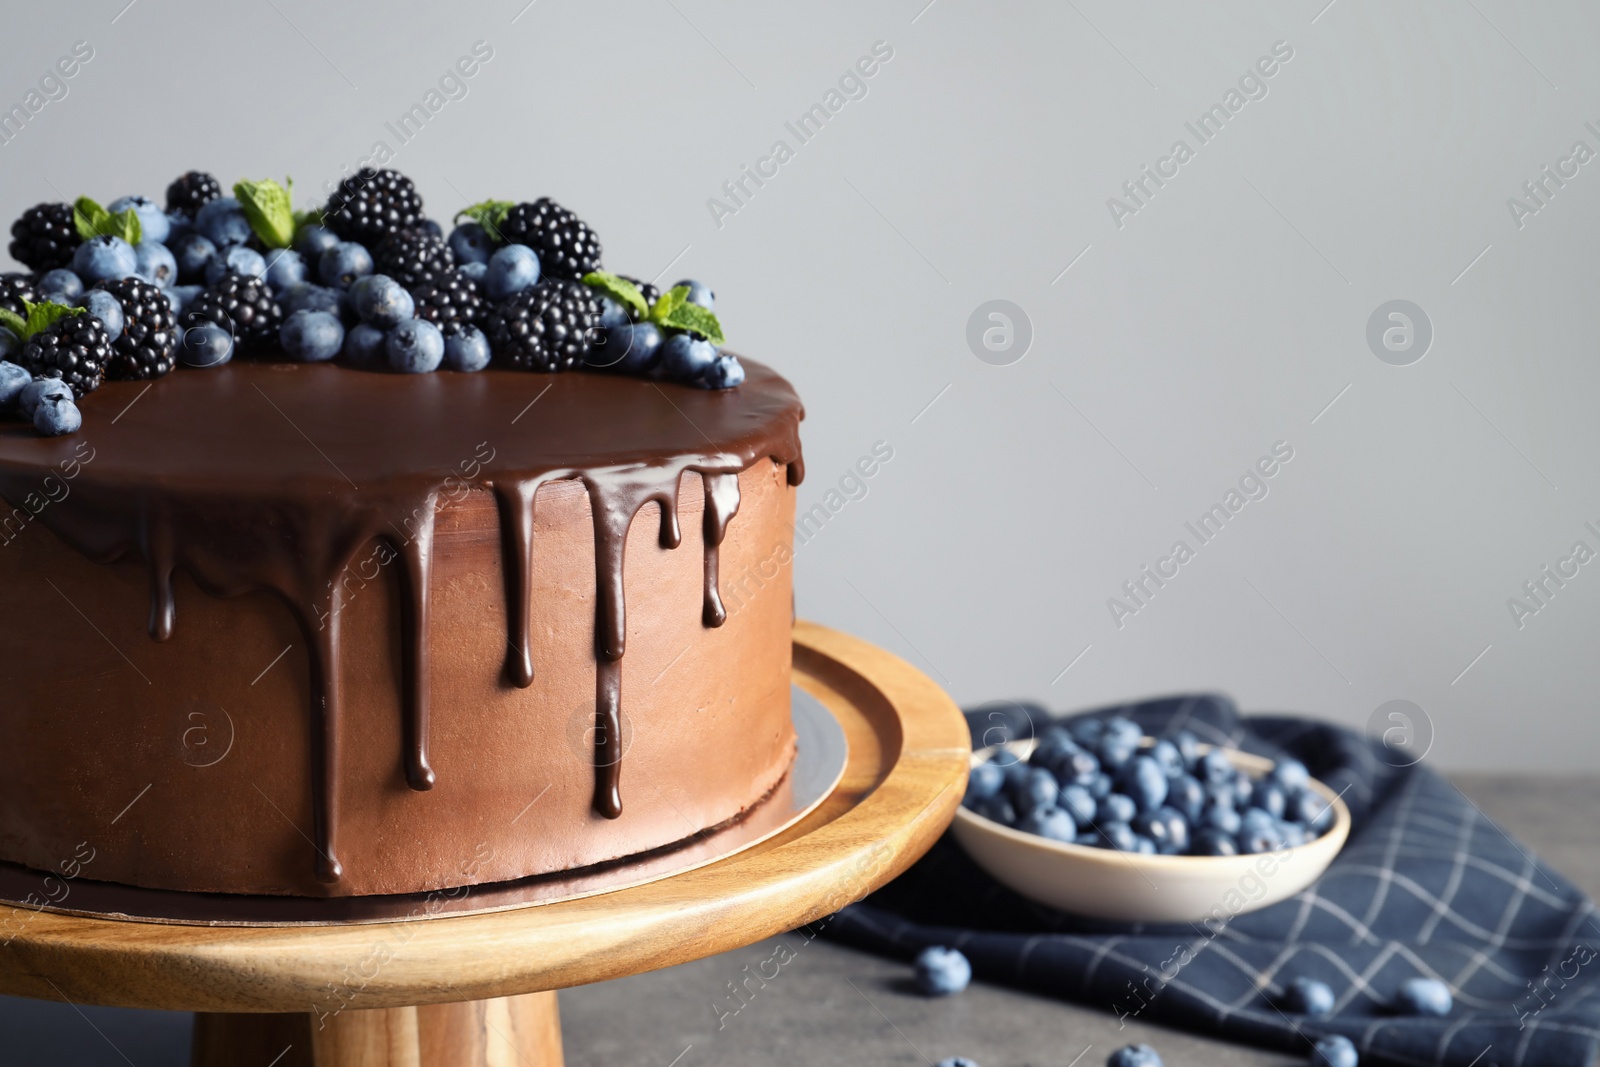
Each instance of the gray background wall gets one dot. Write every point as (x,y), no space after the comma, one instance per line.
(1227,314)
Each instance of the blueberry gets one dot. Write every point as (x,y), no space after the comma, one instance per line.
(10,343)
(57,415)
(1188,747)
(313,240)
(1335,1050)
(205,346)
(1243,789)
(1308,807)
(13,379)
(364,346)
(103,259)
(1187,795)
(1268,796)
(1209,841)
(103,306)
(956,1061)
(1134,1056)
(1291,834)
(1052,741)
(177,336)
(1089,839)
(984,781)
(1256,820)
(1078,802)
(725,372)
(156,264)
(62,282)
(1144,781)
(311,336)
(1253,842)
(37,390)
(1014,769)
(1116,808)
(285,268)
(1115,750)
(380,300)
(1215,768)
(942,971)
(192,251)
(511,270)
(1166,828)
(1086,731)
(611,312)
(431,228)
(1049,822)
(684,358)
(466,350)
(307,296)
(1037,790)
(1223,819)
(1166,753)
(997,809)
(475,271)
(1101,785)
(178,224)
(1124,727)
(1143,845)
(471,243)
(415,347)
(237,259)
(1290,774)
(1307,996)
(342,264)
(223,222)
(699,293)
(1423,996)
(1118,835)
(153,222)
(180,297)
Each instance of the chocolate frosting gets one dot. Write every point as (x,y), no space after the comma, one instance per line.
(272,476)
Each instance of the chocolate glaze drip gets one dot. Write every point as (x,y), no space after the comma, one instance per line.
(275,476)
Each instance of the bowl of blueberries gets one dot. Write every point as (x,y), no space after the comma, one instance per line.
(1094,818)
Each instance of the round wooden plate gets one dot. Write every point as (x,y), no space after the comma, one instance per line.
(906,772)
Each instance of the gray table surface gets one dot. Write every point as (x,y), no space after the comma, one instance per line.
(828,1005)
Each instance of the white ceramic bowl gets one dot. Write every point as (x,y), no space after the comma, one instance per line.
(1129,887)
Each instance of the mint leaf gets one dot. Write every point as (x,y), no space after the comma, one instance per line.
(13,322)
(311,217)
(126,225)
(619,289)
(695,319)
(91,221)
(268,207)
(489,214)
(43,316)
(667,303)
(89,218)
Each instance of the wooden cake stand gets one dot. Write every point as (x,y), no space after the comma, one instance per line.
(480,989)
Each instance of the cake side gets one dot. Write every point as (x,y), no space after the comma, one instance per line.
(213,742)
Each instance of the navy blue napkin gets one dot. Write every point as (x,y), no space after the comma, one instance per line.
(1425,886)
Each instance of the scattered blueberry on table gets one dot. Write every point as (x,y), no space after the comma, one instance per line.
(135,289)
(942,971)
(956,1061)
(1089,782)
(1307,996)
(1423,996)
(1335,1050)
(1134,1056)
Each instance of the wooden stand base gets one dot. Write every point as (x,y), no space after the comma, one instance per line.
(521,1031)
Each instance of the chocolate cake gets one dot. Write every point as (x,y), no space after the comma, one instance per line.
(288,627)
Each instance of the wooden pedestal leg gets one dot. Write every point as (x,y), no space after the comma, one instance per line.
(522,1031)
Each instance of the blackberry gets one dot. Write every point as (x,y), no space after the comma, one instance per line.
(371,204)
(567,247)
(188,192)
(412,257)
(75,350)
(450,301)
(240,304)
(14,289)
(546,328)
(147,347)
(45,237)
